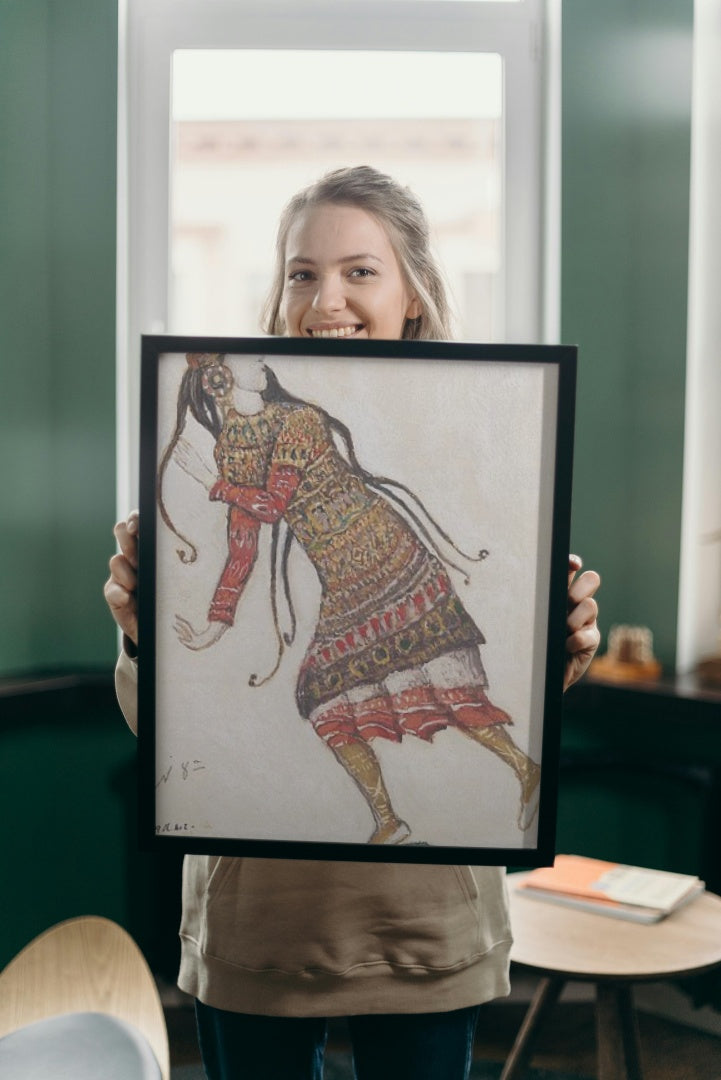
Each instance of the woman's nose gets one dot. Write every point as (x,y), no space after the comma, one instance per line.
(329,296)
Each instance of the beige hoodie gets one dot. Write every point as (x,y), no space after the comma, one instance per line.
(297,938)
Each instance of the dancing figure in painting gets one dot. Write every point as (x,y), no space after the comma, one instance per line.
(394,651)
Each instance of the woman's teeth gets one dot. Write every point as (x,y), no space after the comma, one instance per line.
(337,331)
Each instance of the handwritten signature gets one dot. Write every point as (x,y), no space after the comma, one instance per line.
(186,769)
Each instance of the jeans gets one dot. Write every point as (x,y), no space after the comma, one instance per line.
(413,1046)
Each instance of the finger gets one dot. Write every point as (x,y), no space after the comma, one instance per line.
(575,562)
(582,614)
(122,571)
(118,598)
(583,641)
(585,585)
(127,539)
(123,608)
(183,629)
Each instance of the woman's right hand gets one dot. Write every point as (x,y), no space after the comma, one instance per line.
(121,587)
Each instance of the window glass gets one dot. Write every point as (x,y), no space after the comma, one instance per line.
(455,1)
(251,127)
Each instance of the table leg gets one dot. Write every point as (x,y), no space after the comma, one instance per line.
(545,997)
(617,1033)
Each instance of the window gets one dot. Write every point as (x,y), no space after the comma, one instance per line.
(236,158)
(227,107)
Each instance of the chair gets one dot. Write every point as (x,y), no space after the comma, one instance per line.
(79,1002)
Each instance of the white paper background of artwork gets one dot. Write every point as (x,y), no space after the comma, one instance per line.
(472,440)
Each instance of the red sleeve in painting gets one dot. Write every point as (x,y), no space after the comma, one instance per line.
(265,504)
(242,551)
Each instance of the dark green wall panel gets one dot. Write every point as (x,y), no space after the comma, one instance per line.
(25,396)
(61,776)
(626,145)
(68,792)
(57,309)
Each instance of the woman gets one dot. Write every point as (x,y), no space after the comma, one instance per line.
(270,949)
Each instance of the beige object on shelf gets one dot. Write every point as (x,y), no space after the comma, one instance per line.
(629,657)
(563,944)
(709,670)
(88,964)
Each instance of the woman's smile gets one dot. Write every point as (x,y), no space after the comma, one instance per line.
(335,331)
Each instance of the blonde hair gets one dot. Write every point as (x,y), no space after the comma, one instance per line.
(403,217)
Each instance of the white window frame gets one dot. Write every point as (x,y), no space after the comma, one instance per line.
(699,597)
(526,34)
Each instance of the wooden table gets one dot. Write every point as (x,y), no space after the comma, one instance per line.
(563,944)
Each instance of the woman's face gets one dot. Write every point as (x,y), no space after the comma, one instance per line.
(342,277)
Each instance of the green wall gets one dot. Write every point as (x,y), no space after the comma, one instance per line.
(57,328)
(626,145)
(66,758)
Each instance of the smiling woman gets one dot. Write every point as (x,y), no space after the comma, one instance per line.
(391,650)
(353,260)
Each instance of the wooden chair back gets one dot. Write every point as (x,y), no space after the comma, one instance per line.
(87,964)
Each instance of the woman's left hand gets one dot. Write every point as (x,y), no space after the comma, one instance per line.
(583,635)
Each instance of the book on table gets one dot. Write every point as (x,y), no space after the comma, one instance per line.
(609,888)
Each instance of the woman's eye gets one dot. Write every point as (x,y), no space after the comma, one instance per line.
(300,276)
(362,272)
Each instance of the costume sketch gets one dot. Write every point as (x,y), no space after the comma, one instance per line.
(394,652)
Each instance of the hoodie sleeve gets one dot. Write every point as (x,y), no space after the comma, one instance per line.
(126,688)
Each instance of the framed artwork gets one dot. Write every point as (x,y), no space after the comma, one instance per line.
(352,597)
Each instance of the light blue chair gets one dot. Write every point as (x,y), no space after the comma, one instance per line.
(80,1003)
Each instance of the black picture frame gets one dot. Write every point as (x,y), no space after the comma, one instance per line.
(480,436)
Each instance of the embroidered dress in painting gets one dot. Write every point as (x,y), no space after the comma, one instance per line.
(394,650)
